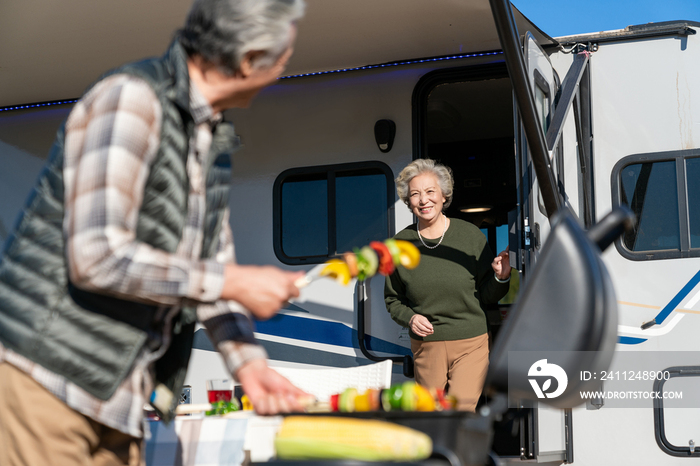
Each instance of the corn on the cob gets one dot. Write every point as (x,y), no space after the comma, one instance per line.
(325,437)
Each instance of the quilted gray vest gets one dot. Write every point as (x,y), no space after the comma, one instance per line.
(89,338)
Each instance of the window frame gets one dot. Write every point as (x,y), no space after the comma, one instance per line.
(331,171)
(679,157)
(659,419)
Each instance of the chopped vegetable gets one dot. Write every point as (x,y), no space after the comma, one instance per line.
(386,262)
(407,396)
(219,408)
(346,402)
(362,402)
(247,405)
(351,259)
(391,398)
(410,255)
(393,250)
(443,400)
(424,399)
(369,266)
(338,270)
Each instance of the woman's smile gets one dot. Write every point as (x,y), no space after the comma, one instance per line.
(426,199)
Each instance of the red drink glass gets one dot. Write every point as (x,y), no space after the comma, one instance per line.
(219,390)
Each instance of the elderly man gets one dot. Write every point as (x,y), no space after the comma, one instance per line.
(125,243)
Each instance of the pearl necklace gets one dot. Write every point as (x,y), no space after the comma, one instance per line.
(444,219)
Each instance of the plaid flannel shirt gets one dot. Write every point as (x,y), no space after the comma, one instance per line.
(112,136)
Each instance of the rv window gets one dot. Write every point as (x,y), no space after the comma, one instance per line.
(650,189)
(542,101)
(676,419)
(305,216)
(358,226)
(692,167)
(662,191)
(316,214)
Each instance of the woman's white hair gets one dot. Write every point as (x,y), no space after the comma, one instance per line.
(224,31)
(442,173)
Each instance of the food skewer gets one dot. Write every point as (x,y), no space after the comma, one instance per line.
(378,257)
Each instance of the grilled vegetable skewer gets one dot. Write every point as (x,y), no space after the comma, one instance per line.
(363,263)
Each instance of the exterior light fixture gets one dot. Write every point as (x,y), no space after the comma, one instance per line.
(384,132)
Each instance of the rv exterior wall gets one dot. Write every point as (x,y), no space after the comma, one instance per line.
(25,139)
(645,100)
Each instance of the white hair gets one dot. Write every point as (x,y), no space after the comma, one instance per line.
(223,31)
(442,173)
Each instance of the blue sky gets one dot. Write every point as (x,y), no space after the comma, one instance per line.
(567,17)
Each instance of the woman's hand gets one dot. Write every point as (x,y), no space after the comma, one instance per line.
(501,265)
(420,325)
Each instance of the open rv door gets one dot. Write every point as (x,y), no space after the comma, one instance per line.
(556,103)
(544,84)
(545,430)
(542,106)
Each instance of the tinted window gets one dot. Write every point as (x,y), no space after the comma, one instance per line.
(542,104)
(650,189)
(323,211)
(361,210)
(305,217)
(692,168)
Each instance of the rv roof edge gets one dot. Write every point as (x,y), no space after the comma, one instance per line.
(640,31)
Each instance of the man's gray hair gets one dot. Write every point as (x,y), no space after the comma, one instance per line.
(419,167)
(222,32)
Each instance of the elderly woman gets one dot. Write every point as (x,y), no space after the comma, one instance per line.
(441,300)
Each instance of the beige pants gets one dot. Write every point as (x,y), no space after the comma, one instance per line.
(36,428)
(460,363)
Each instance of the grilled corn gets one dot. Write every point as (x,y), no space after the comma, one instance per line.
(325,437)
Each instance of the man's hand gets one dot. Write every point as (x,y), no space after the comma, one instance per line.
(262,290)
(420,325)
(501,265)
(268,391)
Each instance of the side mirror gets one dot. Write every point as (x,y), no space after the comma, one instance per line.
(568,307)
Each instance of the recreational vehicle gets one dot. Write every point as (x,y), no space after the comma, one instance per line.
(530,125)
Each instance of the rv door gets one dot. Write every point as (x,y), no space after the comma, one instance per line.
(544,84)
(545,432)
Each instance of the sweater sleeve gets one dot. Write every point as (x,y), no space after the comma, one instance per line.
(395,300)
(490,290)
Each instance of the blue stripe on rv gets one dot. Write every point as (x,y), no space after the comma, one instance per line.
(667,310)
(661,316)
(321,331)
(631,340)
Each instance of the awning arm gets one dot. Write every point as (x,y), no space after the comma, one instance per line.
(568,92)
(508,35)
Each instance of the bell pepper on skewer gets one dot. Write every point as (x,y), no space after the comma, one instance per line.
(377,257)
(410,255)
(386,262)
(338,270)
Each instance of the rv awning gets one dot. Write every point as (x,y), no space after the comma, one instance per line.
(52,50)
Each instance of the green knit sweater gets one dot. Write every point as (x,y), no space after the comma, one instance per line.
(448,286)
